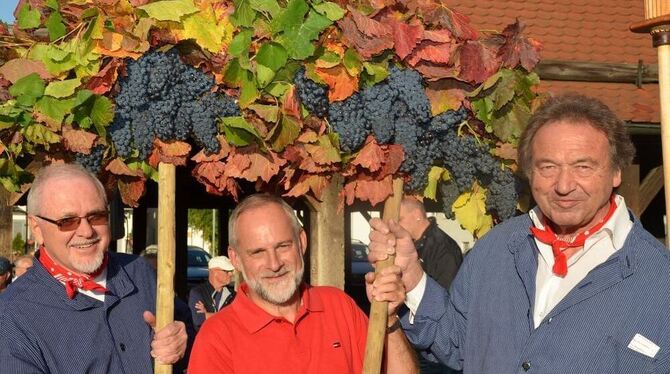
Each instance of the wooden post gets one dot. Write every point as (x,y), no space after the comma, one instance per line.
(374,347)
(6,224)
(326,237)
(166,252)
(630,188)
(657,22)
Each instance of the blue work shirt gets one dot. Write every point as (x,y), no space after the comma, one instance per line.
(42,331)
(485,323)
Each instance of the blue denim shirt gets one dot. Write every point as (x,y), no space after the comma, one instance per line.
(484,324)
(42,331)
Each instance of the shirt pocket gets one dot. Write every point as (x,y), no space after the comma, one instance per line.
(612,357)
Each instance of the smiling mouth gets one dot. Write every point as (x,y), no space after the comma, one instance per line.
(566,203)
(85,245)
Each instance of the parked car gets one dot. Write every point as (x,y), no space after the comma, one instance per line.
(359,258)
(197,271)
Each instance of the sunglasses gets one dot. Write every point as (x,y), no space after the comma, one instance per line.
(72,223)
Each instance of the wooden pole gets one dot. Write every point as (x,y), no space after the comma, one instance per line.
(166,252)
(374,347)
(657,22)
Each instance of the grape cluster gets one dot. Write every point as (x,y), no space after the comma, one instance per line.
(312,95)
(348,120)
(92,161)
(163,97)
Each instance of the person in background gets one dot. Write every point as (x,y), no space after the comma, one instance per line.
(21,265)
(279,324)
(5,273)
(577,285)
(208,298)
(440,258)
(82,309)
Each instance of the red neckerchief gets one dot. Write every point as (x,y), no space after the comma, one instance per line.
(73,281)
(547,236)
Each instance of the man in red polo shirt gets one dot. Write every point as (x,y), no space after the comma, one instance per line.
(277,323)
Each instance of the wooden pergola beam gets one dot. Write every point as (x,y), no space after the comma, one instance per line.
(605,72)
(650,187)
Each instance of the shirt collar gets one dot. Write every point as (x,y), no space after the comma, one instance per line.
(255,319)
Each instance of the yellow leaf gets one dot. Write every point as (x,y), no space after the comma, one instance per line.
(470,211)
(204,29)
(434,176)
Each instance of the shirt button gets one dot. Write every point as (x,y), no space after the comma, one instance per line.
(549,320)
(526,366)
(123,347)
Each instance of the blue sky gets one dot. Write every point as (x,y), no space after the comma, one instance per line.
(7,10)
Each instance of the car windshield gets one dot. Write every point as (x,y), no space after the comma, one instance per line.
(197,257)
(359,252)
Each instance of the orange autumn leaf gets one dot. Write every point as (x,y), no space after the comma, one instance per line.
(341,84)
(131,190)
(371,156)
(78,140)
(118,167)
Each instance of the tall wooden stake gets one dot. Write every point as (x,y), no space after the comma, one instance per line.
(166,252)
(657,22)
(374,347)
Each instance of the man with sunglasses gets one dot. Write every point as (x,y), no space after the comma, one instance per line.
(81,309)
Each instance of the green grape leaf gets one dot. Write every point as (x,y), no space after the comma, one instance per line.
(435,176)
(277,89)
(169,10)
(374,73)
(239,132)
(53,4)
(53,108)
(264,75)
(28,18)
(27,89)
(272,55)
(55,26)
(102,111)
(268,7)
(203,28)
(330,10)
(290,17)
(509,127)
(249,91)
(289,130)
(328,60)
(352,62)
(268,113)
(297,38)
(233,73)
(470,211)
(61,89)
(40,134)
(239,47)
(244,15)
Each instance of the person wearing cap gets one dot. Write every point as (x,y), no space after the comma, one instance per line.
(208,298)
(5,273)
(81,308)
(278,323)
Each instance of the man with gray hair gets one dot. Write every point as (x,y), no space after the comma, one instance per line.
(279,324)
(21,265)
(81,309)
(574,286)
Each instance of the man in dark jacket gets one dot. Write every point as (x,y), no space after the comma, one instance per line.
(440,257)
(209,297)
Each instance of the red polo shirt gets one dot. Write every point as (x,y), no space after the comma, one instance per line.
(328,337)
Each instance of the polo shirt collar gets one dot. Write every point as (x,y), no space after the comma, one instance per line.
(255,319)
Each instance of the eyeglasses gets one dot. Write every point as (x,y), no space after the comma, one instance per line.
(72,223)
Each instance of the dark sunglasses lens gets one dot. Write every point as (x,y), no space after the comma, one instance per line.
(68,224)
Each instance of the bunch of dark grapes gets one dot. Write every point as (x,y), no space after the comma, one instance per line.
(312,95)
(165,98)
(449,193)
(503,194)
(348,120)
(92,161)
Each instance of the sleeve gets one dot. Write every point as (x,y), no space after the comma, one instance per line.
(440,321)
(198,318)
(212,351)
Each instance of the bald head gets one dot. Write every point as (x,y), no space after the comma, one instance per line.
(413,217)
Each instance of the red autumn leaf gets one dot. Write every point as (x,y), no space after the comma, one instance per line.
(210,172)
(406,37)
(366,46)
(172,152)
(518,50)
(432,72)
(291,105)
(262,167)
(374,191)
(131,190)
(298,155)
(438,36)
(202,156)
(309,182)
(369,26)
(381,4)
(371,156)
(237,164)
(439,15)
(118,167)
(102,82)
(233,188)
(439,53)
(348,194)
(506,151)
(341,84)
(445,94)
(18,68)
(308,136)
(78,140)
(475,62)
(394,156)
